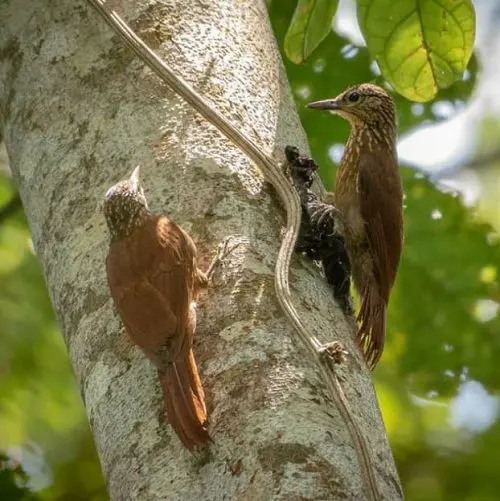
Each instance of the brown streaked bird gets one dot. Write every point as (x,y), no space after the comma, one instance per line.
(154,281)
(368,199)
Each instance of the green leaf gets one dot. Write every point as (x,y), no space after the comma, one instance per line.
(311,23)
(421,46)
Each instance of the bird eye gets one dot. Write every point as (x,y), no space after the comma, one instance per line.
(353,97)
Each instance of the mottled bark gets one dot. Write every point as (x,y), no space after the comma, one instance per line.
(79,112)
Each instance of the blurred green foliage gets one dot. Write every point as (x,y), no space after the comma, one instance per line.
(439,336)
(13,480)
(41,412)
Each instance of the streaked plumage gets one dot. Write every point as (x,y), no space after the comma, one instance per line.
(369,198)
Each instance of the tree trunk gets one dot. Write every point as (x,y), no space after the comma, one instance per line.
(79,112)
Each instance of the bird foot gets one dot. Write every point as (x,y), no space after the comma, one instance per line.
(334,351)
(324,215)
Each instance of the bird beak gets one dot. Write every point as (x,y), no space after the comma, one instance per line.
(134,180)
(327,104)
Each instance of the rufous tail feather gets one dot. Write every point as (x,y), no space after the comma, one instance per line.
(185,401)
(371,333)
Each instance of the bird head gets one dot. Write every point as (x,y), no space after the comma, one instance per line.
(364,105)
(124,204)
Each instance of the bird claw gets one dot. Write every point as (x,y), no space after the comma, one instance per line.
(334,351)
(323,214)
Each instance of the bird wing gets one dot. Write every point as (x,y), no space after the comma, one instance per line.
(150,277)
(381,195)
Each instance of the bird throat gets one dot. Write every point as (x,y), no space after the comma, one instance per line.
(125,218)
(367,136)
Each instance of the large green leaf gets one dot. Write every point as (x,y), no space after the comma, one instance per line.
(421,46)
(311,23)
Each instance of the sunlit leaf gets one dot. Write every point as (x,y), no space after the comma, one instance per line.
(421,46)
(311,23)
